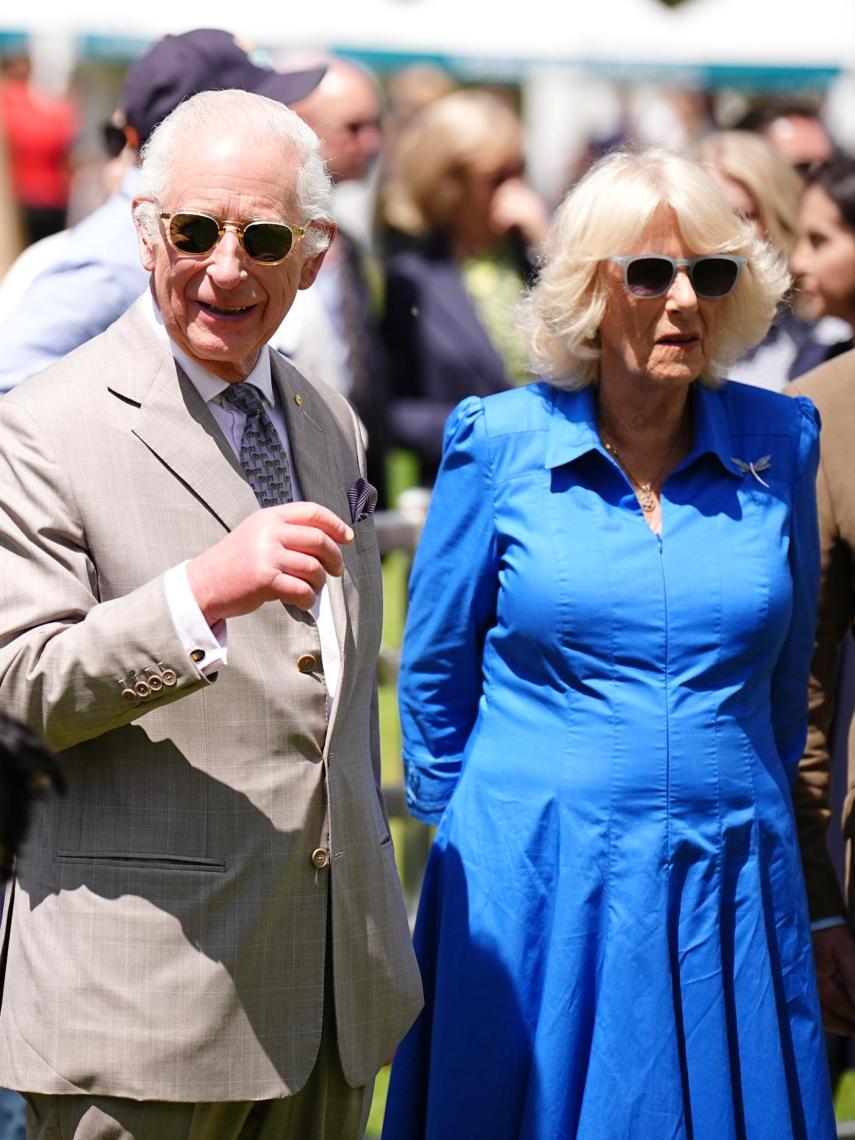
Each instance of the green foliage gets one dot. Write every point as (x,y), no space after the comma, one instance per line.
(844,1096)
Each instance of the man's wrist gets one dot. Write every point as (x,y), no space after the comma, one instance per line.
(206,644)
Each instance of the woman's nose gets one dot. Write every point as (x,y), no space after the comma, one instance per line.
(682,294)
(800,258)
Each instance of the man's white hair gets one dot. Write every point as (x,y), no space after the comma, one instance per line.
(293,146)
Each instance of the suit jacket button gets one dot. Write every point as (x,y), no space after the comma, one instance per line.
(320,857)
(307,663)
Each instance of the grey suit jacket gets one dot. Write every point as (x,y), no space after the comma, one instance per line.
(168,929)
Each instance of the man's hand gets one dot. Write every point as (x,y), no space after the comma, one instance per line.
(834,952)
(279,553)
(28,771)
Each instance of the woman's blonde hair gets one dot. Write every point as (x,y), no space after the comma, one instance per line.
(604,215)
(443,139)
(769,180)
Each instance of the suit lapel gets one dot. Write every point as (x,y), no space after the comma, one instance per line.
(321,479)
(175,424)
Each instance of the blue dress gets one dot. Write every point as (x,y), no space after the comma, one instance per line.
(605,725)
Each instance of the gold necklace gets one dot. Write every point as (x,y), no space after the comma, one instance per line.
(645,492)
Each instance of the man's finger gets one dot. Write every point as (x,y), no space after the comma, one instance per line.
(315,515)
(311,542)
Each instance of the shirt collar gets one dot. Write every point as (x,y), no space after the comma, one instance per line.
(209,386)
(573,427)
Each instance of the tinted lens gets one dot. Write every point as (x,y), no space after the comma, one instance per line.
(714,276)
(193,233)
(267,241)
(649,276)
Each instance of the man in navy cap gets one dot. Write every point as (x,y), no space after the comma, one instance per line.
(97,273)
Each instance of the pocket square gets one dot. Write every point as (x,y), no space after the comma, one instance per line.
(363,499)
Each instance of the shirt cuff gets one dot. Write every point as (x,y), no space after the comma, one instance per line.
(826,923)
(207,646)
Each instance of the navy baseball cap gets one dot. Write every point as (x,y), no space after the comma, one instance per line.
(205,59)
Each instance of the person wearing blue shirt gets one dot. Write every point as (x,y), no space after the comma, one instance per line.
(604,702)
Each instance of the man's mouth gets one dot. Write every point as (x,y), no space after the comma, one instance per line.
(224,310)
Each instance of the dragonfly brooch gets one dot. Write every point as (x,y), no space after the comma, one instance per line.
(755,467)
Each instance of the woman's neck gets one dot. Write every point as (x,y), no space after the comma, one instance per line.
(645,422)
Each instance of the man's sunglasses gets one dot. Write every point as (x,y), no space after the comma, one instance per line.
(712,275)
(195,235)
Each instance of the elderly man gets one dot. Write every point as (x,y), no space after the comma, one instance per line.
(207,937)
(93,274)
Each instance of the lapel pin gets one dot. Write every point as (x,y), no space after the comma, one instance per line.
(755,467)
(298,399)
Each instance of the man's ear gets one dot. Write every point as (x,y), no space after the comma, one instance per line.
(312,265)
(145,242)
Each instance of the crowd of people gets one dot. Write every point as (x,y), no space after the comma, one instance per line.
(621,660)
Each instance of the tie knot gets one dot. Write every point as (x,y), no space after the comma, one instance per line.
(245,397)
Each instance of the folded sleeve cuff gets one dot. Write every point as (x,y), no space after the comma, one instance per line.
(206,645)
(429,785)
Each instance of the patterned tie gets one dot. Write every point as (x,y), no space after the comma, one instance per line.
(262,455)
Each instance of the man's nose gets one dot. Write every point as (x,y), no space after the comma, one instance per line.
(371,139)
(226,263)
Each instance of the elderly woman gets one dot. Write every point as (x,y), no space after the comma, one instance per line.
(470,224)
(604,698)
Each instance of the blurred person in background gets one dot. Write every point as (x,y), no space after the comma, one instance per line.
(765,190)
(410,90)
(604,702)
(96,274)
(795,129)
(824,259)
(469,227)
(332,331)
(40,130)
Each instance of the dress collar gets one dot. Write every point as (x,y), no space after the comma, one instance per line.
(573,427)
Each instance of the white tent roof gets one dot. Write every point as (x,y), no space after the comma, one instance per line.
(748,33)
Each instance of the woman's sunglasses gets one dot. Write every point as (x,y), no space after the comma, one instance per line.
(195,235)
(713,275)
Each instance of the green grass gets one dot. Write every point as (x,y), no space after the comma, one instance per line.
(378,1105)
(844,1098)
